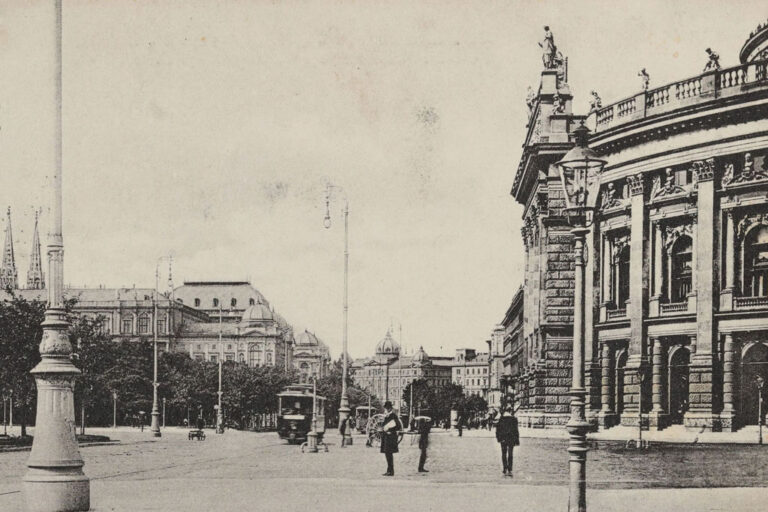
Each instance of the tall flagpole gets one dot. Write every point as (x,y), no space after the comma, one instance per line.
(55,480)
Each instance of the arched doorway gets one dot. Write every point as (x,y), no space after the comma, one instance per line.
(678,384)
(621,365)
(753,363)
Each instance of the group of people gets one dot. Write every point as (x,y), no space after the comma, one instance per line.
(507,435)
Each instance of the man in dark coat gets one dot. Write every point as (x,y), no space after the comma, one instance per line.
(392,426)
(508,436)
(425,426)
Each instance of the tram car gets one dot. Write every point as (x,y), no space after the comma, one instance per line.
(295,405)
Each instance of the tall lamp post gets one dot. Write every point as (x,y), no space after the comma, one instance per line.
(344,406)
(114,409)
(219,411)
(55,480)
(579,173)
(155,426)
(760,382)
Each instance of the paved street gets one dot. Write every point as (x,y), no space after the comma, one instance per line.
(247,471)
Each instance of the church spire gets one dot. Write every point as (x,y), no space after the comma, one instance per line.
(35,277)
(8,274)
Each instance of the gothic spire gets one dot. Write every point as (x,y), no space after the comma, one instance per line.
(35,277)
(8,274)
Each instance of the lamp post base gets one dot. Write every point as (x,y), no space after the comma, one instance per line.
(155,425)
(312,442)
(577,428)
(56,489)
(219,422)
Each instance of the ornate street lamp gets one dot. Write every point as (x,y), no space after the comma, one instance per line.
(579,169)
(55,480)
(344,405)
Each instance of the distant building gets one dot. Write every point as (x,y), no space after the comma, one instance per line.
(470,370)
(388,373)
(311,356)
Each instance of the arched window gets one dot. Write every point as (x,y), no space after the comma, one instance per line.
(254,356)
(197,303)
(621,271)
(241,357)
(144,324)
(269,358)
(681,269)
(161,324)
(215,303)
(233,302)
(251,302)
(127,325)
(756,262)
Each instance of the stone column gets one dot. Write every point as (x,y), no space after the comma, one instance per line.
(726,296)
(606,277)
(694,266)
(658,255)
(606,415)
(728,413)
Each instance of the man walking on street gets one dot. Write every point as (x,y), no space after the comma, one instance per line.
(424,428)
(508,436)
(391,426)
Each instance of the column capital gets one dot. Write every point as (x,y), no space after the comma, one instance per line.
(636,184)
(704,170)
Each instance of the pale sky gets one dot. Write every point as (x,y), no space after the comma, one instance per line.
(208,130)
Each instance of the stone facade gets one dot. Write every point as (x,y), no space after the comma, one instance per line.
(676,279)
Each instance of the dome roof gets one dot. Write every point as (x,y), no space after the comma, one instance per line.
(259,312)
(387,345)
(420,356)
(307,338)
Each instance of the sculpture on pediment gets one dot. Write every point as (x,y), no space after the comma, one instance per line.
(669,188)
(558,104)
(673,233)
(530,100)
(749,172)
(747,222)
(609,197)
(595,103)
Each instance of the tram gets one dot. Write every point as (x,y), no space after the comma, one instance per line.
(295,405)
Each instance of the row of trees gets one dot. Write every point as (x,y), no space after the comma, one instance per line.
(123,369)
(438,401)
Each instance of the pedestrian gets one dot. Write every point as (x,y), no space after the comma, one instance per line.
(200,423)
(508,436)
(343,431)
(460,423)
(424,427)
(391,427)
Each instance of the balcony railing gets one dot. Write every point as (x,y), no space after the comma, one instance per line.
(616,313)
(698,89)
(750,302)
(674,307)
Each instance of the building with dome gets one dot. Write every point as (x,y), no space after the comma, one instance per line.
(311,356)
(389,371)
(677,270)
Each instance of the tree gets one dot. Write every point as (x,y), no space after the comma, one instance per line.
(20,336)
(447,398)
(423,397)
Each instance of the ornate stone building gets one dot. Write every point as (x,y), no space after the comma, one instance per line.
(311,356)
(388,372)
(470,370)
(677,271)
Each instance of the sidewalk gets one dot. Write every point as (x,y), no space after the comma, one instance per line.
(674,434)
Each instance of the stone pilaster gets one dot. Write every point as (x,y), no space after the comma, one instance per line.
(637,265)
(700,412)
(726,295)
(658,256)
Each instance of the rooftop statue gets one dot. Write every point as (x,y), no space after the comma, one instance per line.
(644,78)
(530,100)
(549,54)
(595,103)
(713,62)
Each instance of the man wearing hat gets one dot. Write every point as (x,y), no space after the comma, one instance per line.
(391,426)
(507,434)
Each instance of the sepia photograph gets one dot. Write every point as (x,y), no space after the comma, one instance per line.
(376,255)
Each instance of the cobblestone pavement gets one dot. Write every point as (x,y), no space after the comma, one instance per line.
(247,471)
